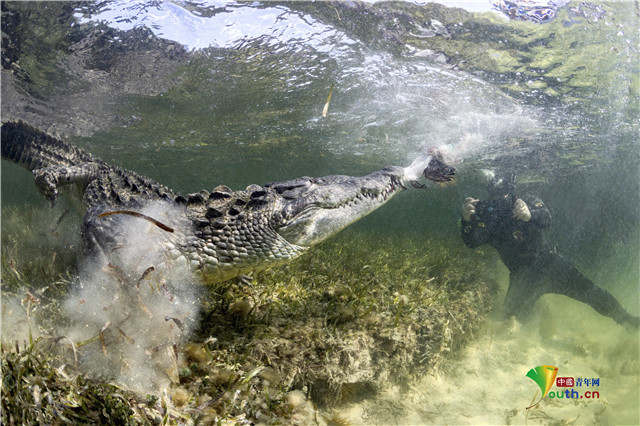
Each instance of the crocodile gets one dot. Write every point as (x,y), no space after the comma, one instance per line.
(220,234)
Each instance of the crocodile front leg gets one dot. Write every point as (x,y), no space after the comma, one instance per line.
(49,179)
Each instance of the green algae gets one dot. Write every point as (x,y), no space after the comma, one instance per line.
(353,316)
(36,391)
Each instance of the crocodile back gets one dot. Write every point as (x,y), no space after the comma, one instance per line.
(34,149)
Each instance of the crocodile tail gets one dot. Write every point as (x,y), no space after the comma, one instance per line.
(34,149)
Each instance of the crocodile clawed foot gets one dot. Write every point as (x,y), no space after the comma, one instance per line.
(47,184)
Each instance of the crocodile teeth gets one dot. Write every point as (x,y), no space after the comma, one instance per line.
(376,197)
(389,190)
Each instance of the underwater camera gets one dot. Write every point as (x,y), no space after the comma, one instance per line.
(495,212)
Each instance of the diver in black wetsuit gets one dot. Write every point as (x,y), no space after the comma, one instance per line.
(514,227)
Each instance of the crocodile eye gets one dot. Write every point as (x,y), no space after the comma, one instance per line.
(288,188)
(292,209)
(292,191)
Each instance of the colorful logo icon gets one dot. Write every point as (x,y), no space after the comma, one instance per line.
(544,376)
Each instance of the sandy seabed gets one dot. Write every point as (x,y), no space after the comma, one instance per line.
(486,383)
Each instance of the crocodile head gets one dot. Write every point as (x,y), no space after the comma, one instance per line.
(235,232)
(314,209)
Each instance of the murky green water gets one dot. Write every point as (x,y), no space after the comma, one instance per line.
(195,95)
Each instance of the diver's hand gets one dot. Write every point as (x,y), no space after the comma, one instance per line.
(521,211)
(469,208)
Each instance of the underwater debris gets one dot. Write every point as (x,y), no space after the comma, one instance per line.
(336,419)
(101,334)
(325,110)
(176,321)
(139,296)
(141,216)
(54,230)
(145,273)
(35,391)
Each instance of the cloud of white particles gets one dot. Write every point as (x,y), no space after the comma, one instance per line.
(131,307)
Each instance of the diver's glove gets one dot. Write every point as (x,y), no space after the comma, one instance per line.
(521,211)
(469,208)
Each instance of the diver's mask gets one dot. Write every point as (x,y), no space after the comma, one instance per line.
(501,186)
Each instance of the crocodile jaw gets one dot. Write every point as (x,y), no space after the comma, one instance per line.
(325,206)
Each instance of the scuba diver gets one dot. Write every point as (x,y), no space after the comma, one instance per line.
(513,226)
